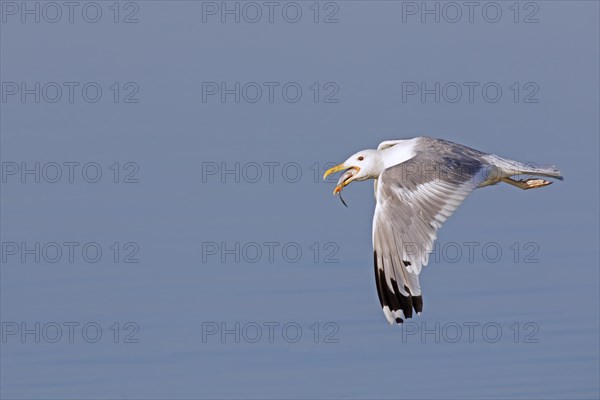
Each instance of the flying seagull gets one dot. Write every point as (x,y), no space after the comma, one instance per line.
(419,183)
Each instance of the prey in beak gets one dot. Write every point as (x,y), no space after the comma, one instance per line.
(344,180)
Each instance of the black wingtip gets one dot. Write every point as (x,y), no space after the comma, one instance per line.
(418,303)
(393,298)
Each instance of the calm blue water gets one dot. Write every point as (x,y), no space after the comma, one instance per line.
(178,273)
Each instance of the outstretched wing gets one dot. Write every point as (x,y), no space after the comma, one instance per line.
(414,198)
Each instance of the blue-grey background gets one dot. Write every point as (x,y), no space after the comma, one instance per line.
(170,212)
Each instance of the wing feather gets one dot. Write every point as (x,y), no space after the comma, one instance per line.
(414,198)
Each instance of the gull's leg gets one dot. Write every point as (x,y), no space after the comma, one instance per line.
(526,183)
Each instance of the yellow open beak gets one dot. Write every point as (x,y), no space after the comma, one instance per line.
(333,170)
(337,168)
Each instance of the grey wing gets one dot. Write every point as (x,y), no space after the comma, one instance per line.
(414,198)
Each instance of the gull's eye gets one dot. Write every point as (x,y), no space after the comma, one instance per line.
(360,158)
